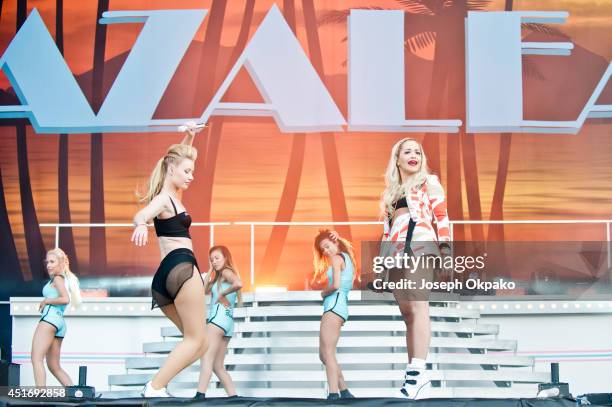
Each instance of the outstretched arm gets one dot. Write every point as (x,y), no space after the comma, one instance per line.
(154,208)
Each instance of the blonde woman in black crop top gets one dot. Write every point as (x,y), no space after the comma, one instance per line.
(177,288)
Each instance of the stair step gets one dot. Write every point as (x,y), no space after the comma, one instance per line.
(344,342)
(312,358)
(286,325)
(355,310)
(435,298)
(190,379)
(351,326)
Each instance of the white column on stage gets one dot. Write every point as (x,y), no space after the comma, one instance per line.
(376,76)
(494,86)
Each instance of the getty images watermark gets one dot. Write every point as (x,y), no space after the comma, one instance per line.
(412,264)
(572,269)
(424,269)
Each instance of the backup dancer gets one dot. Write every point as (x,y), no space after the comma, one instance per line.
(411,199)
(177,288)
(223,284)
(333,256)
(61,290)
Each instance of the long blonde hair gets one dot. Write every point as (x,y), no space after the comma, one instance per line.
(229,264)
(175,154)
(320,261)
(395,187)
(73,282)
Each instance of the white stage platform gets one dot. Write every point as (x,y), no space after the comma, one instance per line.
(480,348)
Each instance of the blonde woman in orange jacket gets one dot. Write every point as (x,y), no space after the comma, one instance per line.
(411,202)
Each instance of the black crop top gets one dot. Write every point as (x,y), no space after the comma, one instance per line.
(400,203)
(176,226)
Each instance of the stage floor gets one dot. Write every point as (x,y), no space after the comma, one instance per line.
(281,402)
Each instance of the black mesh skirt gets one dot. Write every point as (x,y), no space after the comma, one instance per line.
(174,270)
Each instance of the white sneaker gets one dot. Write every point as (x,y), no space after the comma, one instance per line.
(149,391)
(414,381)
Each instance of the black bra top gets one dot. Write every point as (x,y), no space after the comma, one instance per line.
(400,203)
(176,226)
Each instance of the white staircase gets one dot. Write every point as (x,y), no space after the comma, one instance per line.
(274,352)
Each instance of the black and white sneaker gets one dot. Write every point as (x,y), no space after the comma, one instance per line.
(414,381)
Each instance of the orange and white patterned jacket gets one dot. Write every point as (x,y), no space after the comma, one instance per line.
(426,204)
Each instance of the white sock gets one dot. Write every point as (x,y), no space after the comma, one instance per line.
(416,364)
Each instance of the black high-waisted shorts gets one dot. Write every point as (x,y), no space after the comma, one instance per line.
(173,271)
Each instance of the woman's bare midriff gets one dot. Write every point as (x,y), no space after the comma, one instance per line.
(167,244)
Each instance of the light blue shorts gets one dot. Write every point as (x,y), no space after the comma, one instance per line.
(223,318)
(55,317)
(338,304)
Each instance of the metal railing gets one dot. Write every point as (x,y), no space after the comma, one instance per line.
(606,222)
(253,225)
(57,227)
(252,234)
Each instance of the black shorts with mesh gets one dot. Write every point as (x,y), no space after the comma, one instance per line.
(174,270)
